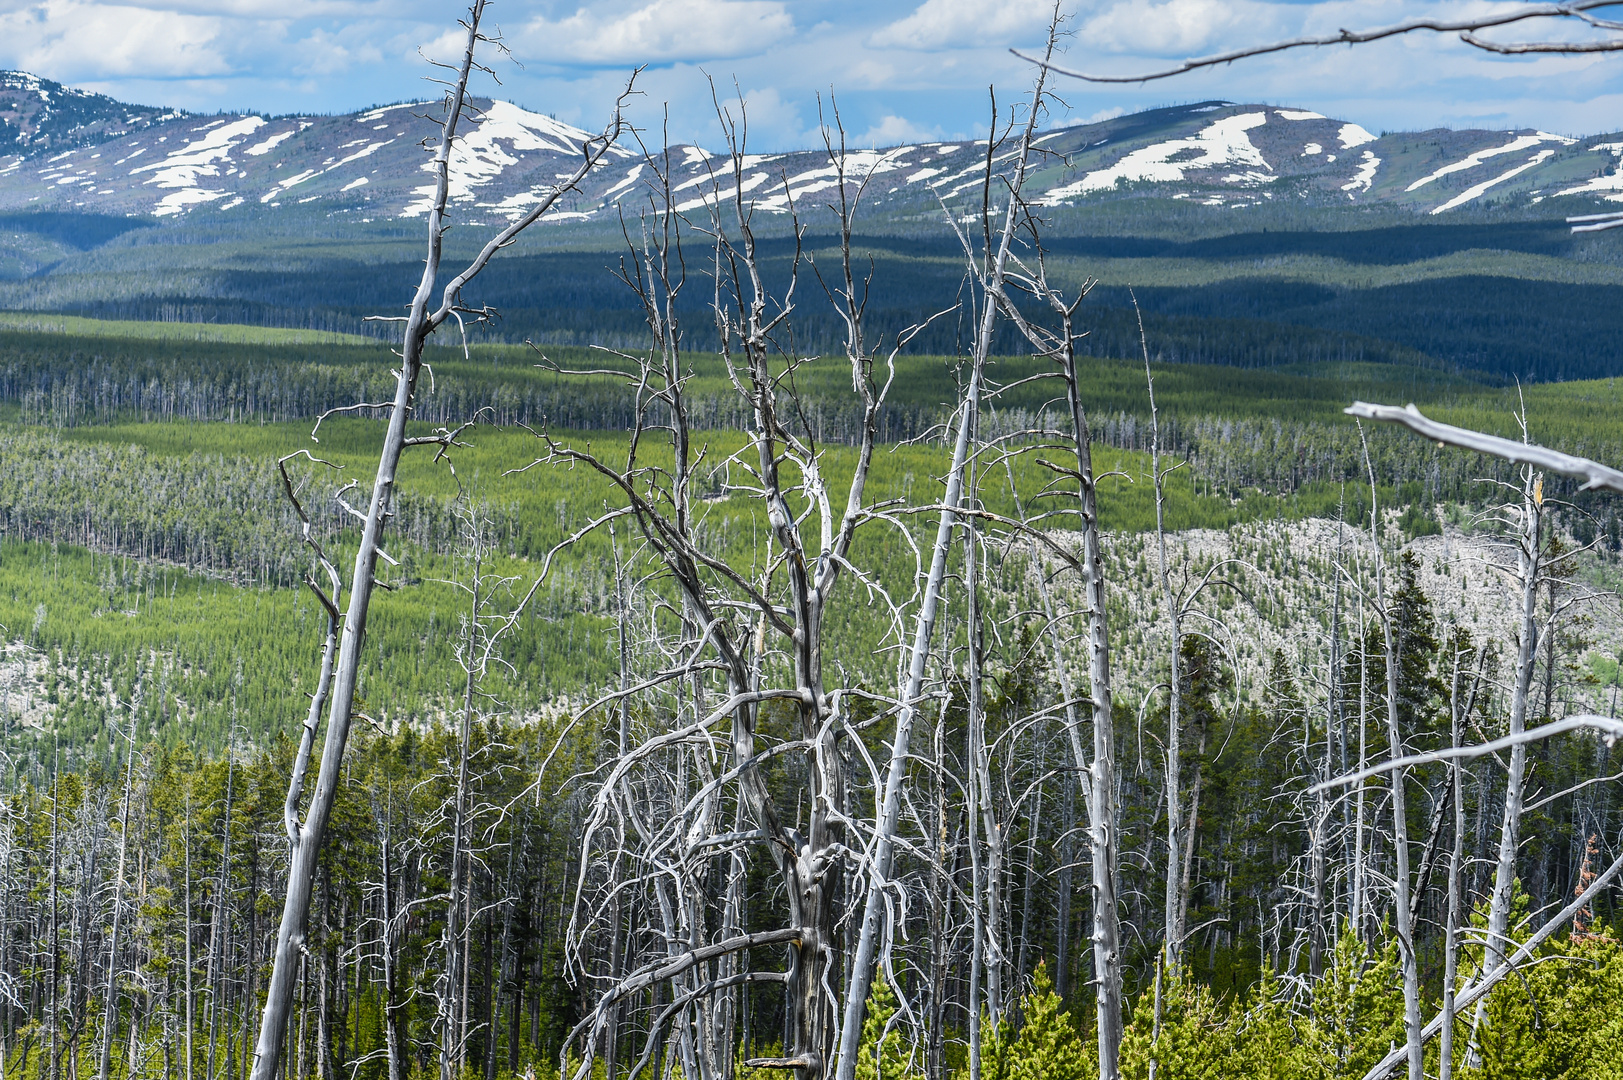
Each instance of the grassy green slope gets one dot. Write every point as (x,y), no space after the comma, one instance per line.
(232,654)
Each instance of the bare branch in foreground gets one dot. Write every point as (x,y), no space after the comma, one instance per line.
(1464,27)
(1594,475)
(1611,729)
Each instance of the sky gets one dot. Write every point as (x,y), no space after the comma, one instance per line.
(900,70)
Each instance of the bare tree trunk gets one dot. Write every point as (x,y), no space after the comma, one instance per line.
(1318,837)
(611,1049)
(1034,824)
(419,324)
(1400,817)
(977,899)
(1456,857)
(1106,927)
(1358,868)
(1172,946)
(110,1009)
(187,925)
(391,959)
(989,943)
(1186,873)
(502,977)
(453,997)
(890,808)
(1529,548)
(219,931)
(1067,853)
(53,1055)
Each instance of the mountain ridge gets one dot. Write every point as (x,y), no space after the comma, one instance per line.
(41,116)
(112,158)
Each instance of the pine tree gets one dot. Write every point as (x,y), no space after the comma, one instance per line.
(1357,1006)
(1195,1041)
(1269,1043)
(1049,1046)
(883,1055)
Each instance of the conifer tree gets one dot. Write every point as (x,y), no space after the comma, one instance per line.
(1049,1047)
(884,1054)
(1358,1006)
(1194,1041)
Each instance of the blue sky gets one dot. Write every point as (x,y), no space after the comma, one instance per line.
(903,71)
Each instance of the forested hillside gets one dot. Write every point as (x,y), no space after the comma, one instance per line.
(838,653)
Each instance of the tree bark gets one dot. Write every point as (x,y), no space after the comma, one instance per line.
(1529,548)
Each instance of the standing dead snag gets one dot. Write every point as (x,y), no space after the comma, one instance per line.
(1528,521)
(1404,927)
(682,806)
(1059,345)
(990,272)
(424,318)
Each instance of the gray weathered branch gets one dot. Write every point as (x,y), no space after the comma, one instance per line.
(1611,729)
(1592,473)
(1464,27)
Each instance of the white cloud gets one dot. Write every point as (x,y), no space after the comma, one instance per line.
(771,118)
(324,53)
(65,39)
(660,32)
(895,130)
(938,24)
(1177,27)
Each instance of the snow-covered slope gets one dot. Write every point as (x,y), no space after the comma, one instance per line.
(373,164)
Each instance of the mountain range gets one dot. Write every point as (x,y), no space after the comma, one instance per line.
(1248,234)
(77,152)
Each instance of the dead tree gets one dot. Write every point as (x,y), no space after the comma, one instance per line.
(1594,475)
(1176,899)
(1059,345)
(739,641)
(1459,651)
(424,318)
(989,269)
(1404,916)
(1527,520)
(110,1004)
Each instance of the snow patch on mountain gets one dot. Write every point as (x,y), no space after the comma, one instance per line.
(619,189)
(379,114)
(854,167)
(1521,142)
(176,201)
(1476,190)
(1364,178)
(479,156)
(269,144)
(1225,142)
(1352,136)
(182,168)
